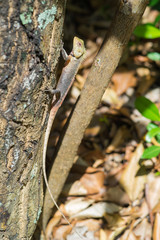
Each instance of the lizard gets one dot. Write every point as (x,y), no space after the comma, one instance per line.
(72,64)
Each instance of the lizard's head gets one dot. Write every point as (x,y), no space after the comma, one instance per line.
(78,47)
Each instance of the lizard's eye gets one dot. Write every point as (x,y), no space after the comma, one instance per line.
(79,44)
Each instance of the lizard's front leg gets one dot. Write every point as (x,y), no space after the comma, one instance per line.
(56,94)
(54,91)
(64,54)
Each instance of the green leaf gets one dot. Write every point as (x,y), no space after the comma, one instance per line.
(147,31)
(157,174)
(104,119)
(153,132)
(147,108)
(150,152)
(155,56)
(153,3)
(157,19)
(158,138)
(151,126)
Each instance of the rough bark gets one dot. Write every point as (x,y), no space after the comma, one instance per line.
(127,17)
(30,33)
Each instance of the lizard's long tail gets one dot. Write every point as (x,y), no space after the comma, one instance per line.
(49,126)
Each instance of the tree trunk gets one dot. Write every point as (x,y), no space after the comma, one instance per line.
(29,54)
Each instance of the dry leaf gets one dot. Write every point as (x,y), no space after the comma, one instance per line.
(115,221)
(131,183)
(154,189)
(140,211)
(94,170)
(52,223)
(149,15)
(139,59)
(98,162)
(111,235)
(77,205)
(156,228)
(140,122)
(98,210)
(93,155)
(116,195)
(128,235)
(92,224)
(114,234)
(77,189)
(111,97)
(145,83)
(93,131)
(153,95)
(156,209)
(93,183)
(143,229)
(83,230)
(143,72)
(123,79)
(103,235)
(62,232)
(122,134)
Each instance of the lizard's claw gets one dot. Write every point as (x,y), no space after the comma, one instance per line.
(64,53)
(52,91)
(61,44)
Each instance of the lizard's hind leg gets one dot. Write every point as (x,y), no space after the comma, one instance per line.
(56,95)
